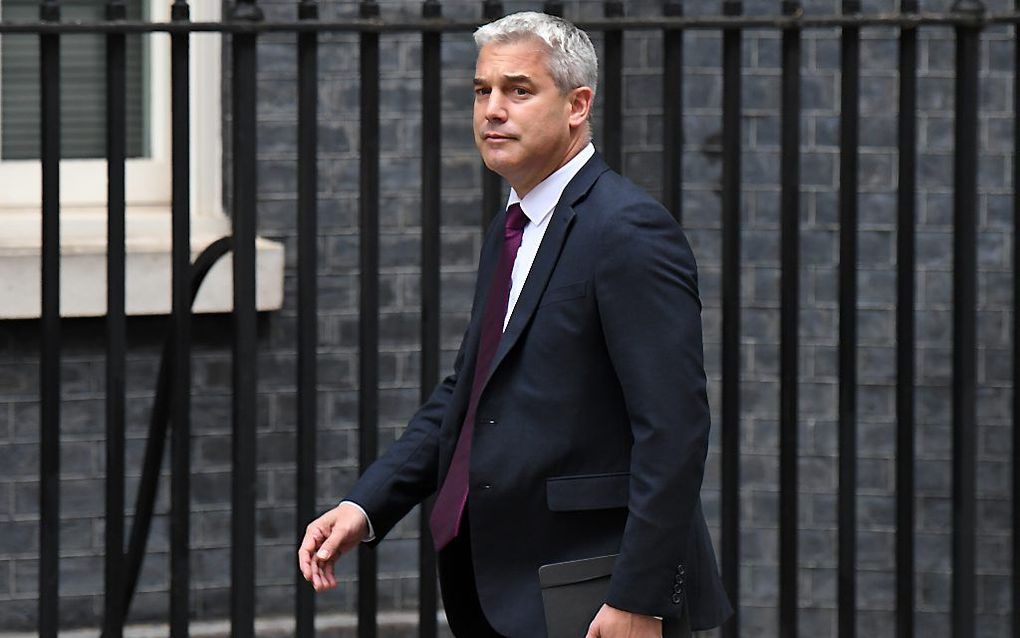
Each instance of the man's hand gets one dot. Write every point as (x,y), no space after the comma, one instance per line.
(611,622)
(334,533)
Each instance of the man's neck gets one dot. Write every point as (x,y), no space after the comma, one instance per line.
(575,147)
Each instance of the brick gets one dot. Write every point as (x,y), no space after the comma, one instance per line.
(876,171)
(20,614)
(878,95)
(818,169)
(876,590)
(19,380)
(19,537)
(702,49)
(876,210)
(818,93)
(761,92)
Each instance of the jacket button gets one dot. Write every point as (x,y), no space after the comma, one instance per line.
(679,578)
(486,486)
(677,599)
(489,421)
(678,588)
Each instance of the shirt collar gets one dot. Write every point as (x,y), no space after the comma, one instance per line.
(542,199)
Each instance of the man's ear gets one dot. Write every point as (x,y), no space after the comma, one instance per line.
(580,100)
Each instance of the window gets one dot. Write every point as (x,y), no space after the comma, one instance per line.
(83,166)
(83,110)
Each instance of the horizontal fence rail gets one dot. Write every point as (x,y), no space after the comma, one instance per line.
(589,24)
(244,24)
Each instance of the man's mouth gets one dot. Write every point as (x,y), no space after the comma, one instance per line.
(496,137)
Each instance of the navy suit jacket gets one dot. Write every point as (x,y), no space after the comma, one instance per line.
(592,427)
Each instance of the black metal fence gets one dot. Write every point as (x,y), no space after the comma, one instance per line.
(245,24)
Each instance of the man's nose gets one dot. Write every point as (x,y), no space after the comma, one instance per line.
(495,109)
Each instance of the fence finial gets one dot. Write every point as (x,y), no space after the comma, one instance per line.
(613,9)
(49,10)
(492,9)
(246,10)
(975,7)
(116,10)
(673,8)
(180,10)
(368,9)
(308,10)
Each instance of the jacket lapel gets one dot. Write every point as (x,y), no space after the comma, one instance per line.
(545,259)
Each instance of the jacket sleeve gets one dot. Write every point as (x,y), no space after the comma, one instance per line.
(647,294)
(407,472)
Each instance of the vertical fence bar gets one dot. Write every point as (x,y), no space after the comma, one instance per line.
(242,555)
(1016,326)
(431,165)
(180,456)
(790,302)
(116,133)
(368,321)
(492,184)
(612,80)
(905,266)
(49,369)
(965,316)
(731,205)
(307,174)
(673,112)
(847,497)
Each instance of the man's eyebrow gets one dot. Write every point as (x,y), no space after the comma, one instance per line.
(510,77)
(517,78)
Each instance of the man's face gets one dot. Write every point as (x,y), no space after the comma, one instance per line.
(525,128)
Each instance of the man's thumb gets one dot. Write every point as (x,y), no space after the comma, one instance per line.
(329,546)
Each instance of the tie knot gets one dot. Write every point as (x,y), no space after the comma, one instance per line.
(515,217)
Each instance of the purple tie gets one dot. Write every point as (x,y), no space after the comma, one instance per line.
(449,506)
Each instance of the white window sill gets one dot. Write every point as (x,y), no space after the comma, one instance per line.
(148,268)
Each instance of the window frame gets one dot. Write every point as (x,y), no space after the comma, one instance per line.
(83,228)
(147,180)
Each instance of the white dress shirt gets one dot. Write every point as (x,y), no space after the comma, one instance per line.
(537,206)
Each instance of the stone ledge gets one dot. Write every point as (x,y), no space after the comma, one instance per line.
(148,269)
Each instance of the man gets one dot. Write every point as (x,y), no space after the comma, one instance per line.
(575,423)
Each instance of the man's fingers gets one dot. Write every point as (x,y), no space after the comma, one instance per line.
(315,576)
(313,537)
(330,546)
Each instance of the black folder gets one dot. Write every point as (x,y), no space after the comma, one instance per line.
(574,591)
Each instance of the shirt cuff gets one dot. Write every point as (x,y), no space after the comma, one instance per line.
(371,531)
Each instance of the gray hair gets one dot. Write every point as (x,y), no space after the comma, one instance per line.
(572,59)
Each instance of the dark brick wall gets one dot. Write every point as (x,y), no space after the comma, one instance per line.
(83,375)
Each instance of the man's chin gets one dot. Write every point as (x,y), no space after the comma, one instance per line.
(496,162)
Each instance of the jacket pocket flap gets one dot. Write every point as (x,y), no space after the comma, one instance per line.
(588,492)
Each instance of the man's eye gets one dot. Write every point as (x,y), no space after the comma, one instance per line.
(482,91)
(520,92)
